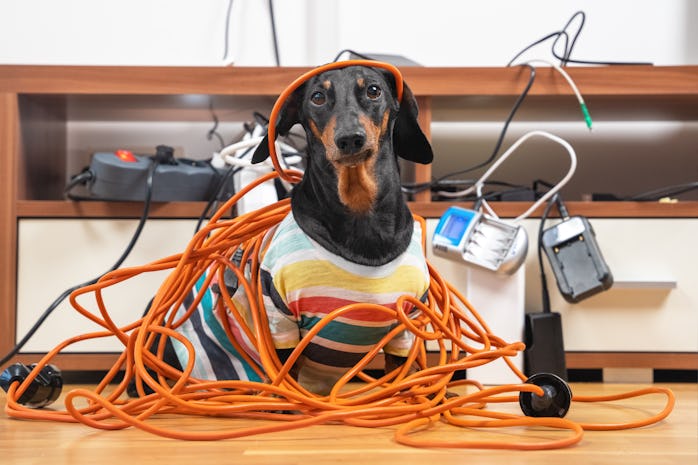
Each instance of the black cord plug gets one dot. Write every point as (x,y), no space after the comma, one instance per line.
(164,155)
(561,207)
(83,178)
(545,294)
(42,391)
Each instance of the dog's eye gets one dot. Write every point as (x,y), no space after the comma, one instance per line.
(318,98)
(373,91)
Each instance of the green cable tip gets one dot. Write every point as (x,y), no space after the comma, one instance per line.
(587,116)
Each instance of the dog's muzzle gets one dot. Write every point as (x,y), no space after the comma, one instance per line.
(350,144)
(352,149)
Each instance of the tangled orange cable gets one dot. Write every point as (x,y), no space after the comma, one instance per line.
(411,401)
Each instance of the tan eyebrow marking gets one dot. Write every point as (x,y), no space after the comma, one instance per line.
(361,82)
(326,85)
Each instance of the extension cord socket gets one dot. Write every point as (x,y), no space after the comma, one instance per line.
(122,176)
(262,195)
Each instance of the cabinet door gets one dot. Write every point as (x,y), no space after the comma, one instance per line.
(56,254)
(652,304)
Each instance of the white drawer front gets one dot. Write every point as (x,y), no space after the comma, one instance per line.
(653,305)
(55,254)
(642,312)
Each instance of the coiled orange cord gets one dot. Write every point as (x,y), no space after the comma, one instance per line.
(411,401)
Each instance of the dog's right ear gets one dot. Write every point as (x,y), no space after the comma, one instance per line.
(288,117)
(409,141)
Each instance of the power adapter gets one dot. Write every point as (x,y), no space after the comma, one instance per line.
(469,236)
(576,260)
(545,347)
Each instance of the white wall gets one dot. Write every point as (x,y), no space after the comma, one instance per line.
(434,32)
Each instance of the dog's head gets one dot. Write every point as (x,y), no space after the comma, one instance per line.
(352,117)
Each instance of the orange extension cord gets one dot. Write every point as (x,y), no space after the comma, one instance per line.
(410,401)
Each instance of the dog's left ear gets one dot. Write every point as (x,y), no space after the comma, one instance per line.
(409,142)
(288,117)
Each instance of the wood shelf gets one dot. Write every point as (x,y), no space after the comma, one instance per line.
(99,209)
(39,103)
(264,81)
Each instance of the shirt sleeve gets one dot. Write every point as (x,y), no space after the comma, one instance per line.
(401,344)
(283,324)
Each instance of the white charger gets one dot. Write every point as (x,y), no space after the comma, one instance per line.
(480,240)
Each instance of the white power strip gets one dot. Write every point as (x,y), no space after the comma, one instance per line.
(239,155)
(500,300)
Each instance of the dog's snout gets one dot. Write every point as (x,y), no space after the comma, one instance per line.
(352,143)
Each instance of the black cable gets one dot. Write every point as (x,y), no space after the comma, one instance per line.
(273,33)
(227,29)
(503,132)
(545,295)
(141,223)
(491,195)
(565,58)
(423,186)
(215,197)
(649,196)
(667,191)
(84,177)
(561,207)
(564,214)
(537,42)
(348,50)
(570,46)
(214,130)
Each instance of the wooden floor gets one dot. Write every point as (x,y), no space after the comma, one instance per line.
(673,441)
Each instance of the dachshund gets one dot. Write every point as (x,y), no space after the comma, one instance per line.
(349,238)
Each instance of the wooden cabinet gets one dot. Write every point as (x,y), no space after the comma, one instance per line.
(42,109)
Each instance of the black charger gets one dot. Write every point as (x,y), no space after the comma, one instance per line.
(576,260)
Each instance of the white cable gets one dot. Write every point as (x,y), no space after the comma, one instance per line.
(573,86)
(477,187)
(451,194)
(564,74)
(243,144)
(227,154)
(485,204)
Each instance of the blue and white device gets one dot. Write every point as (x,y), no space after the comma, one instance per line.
(472,237)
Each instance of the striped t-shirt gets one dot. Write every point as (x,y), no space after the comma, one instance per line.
(302,282)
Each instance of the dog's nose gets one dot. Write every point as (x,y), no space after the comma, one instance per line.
(349,144)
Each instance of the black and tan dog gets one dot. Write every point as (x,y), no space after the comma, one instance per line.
(350,199)
(349,238)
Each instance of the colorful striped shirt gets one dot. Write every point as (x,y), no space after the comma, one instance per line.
(302,282)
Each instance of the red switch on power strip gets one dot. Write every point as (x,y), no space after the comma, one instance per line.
(125,155)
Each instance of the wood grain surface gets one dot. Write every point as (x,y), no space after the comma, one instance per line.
(673,441)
